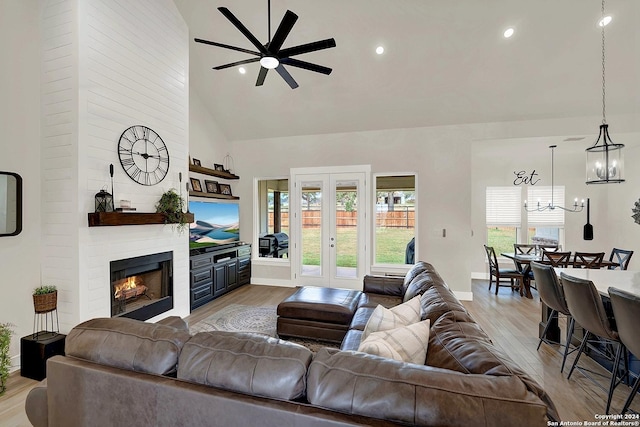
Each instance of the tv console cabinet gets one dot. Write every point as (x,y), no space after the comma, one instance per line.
(214,271)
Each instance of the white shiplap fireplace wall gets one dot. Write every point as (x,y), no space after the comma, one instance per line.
(108,65)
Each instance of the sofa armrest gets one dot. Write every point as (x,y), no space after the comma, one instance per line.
(384,285)
(175,322)
(36,405)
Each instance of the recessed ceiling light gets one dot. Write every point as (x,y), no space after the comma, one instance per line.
(508,32)
(605,21)
(380,50)
(242,70)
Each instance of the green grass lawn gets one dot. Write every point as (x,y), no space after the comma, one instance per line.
(390,245)
(501,238)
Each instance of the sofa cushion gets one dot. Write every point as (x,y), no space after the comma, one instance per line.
(383,319)
(361,318)
(406,343)
(417,268)
(247,363)
(359,383)
(373,300)
(437,301)
(128,344)
(421,283)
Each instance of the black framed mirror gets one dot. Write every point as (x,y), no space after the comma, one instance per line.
(10,204)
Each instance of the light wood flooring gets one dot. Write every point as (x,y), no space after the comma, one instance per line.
(510,320)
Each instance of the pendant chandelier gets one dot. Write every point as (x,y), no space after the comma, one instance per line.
(604,158)
(551,205)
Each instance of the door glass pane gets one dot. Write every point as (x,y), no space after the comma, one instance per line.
(311,228)
(346,244)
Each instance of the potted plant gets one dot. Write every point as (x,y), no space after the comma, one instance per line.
(45,298)
(5,361)
(171,205)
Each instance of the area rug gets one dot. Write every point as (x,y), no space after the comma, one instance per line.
(240,318)
(248,318)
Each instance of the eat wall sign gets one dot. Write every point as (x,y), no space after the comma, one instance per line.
(526,178)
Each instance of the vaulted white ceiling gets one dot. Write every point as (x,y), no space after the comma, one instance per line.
(445,62)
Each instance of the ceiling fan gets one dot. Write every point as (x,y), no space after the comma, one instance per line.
(271,55)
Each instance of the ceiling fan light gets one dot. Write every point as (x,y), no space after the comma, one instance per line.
(269,62)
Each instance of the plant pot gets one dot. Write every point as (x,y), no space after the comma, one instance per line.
(45,303)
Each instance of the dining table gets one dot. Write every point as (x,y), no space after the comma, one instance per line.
(525,260)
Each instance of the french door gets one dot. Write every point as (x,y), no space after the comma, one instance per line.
(330,230)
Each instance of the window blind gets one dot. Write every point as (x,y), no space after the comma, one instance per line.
(548,217)
(503,206)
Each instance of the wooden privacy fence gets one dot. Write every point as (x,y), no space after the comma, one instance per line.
(400,218)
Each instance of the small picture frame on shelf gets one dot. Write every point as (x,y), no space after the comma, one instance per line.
(225,189)
(211,186)
(196,162)
(218,167)
(196,185)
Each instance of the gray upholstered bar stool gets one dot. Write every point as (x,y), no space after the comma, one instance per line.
(586,307)
(626,307)
(552,295)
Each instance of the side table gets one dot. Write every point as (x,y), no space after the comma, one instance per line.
(35,349)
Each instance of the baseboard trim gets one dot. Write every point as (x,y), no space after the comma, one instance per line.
(272,282)
(464,296)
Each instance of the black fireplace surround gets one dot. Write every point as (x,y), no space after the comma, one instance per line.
(142,287)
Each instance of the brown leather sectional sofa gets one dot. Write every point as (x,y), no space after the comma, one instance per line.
(124,372)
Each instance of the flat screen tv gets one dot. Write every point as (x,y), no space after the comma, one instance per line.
(214,224)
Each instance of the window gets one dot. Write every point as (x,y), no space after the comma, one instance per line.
(395,219)
(505,221)
(273,216)
(503,216)
(545,227)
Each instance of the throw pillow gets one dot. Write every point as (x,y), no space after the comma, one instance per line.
(383,319)
(406,343)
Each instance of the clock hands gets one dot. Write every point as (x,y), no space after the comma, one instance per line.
(145,155)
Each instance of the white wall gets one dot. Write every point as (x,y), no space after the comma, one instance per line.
(103,71)
(20,152)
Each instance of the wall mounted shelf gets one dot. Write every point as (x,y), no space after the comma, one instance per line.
(212,172)
(212,195)
(100,219)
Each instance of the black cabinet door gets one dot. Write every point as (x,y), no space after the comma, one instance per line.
(219,279)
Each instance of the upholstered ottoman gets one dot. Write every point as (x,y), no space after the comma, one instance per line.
(317,313)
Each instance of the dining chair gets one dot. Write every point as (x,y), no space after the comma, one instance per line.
(550,248)
(552,295)
(622,257)
(625,308)
(557,259)
(588,259)
(524,249)
(586,307)
(500,273)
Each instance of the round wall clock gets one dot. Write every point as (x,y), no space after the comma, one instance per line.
(143,155)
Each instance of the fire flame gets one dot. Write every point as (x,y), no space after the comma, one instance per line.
(128,284)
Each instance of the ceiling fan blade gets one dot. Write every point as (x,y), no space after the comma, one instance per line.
(306,48)
(282,32)
(226,46)
(236,22)
(286,76)
(261,76)
(233,64)
(306,65)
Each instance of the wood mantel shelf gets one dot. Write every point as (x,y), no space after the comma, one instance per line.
(100,219)
(212,172)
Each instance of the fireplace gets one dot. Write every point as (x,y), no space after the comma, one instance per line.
(142,287)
